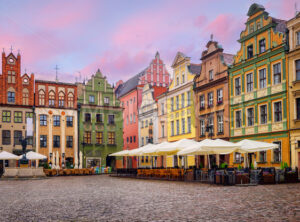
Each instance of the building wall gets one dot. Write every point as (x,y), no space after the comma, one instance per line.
(162,119)
(294,89)
(267,95)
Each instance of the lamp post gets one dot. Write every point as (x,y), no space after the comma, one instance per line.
(50,157)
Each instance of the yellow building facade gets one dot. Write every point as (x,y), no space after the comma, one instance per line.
(258,89)
(180,106)
(293,58)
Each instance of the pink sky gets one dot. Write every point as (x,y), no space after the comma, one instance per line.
(120,36)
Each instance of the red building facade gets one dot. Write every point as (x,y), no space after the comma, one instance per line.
(130,96)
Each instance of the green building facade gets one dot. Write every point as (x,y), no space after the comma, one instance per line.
(100,122)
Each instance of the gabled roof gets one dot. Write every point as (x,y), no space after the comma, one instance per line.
(179,54)
(194,68)
(254,8)
(158,90)
(129,85)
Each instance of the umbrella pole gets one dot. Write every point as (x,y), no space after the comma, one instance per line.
(208,161)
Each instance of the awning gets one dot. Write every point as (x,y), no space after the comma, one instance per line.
(34,156)
(8,156)
(252,146)
(120,153)
(173,148)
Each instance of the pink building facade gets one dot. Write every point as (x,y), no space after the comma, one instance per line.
(130,95)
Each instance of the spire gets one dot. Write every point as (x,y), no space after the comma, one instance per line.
(157,55)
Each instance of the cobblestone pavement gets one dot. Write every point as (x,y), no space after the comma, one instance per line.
(104,198)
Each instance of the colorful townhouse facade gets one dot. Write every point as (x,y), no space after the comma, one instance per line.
(293,69)
(212,99)
(16,106)
(100,122)
(258,89)
(56,125)
(148,122)
(180,105)
(130,95)
(162,117)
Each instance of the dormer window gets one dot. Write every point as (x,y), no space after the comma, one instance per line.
(251,29)
(258,25)
(262,46)
(183,78)
(250,51)
(106,100)
(177,81)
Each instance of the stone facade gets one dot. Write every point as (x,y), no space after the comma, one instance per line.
(258,88)
(294,88)
(212,98)
(100,121)
(56,123)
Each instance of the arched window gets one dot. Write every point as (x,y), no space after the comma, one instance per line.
(51,98)
(11,96)
(41,97)
(70,100)
(25,96)
(61,99)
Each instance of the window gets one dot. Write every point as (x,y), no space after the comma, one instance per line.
(182,78)
(298,108)
(111,119)
(127,120)
(6,116)
(177,102)
(262,156)
(143,141)
(220,96)
(183,125)
(99,118)
(182,100)
(250,82)
(263,114)
(41,98)
(237,86)
(134,117)
(25,97)
(18,117)
(277,112)
(143,124)
(172,128)
(251,29)
(5,137)
(277,73)
(61,99)
(130,118)
(250,115)
(220,123)
(189,98)
(133,100)
(69,121)
(211,74)
(106,100)
(298,38)
(99,137)
(297,63)
(210,98)
(162,108)
(56,120)
(177,81)
(134,139)
(111,138)
(237,157)
(238,119)
(11,97)
(87,117)
(131,139)
(56,141)
(202,102)
(43,141)
(91,99)
(177,127)
(189,124)
(11,77)
(69,142)
(87,137)
(51,98)
(262,78)
(127,140)
(17,137)
(262,46)
(70,100)
(250,51)
(202,127)
(172,104)
(43,120)
(258,25)
(28,115)
(162,131)
(277,152)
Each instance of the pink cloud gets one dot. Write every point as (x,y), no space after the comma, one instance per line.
(200,21)
(285,8)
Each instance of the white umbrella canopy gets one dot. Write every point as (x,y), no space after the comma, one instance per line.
(196,149)
(173,148)
(8,156)
(220,146)
(151,151)
(120,153)
(138,151)
(252,146)
(33,156)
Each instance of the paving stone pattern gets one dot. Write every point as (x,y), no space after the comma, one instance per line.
(104,198)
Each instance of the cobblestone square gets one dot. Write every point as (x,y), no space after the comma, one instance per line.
(104,198)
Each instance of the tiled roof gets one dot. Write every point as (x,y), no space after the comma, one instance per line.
(195,68)
(158,90)
(129,85)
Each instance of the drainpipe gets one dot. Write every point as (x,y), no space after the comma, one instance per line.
(78,134)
